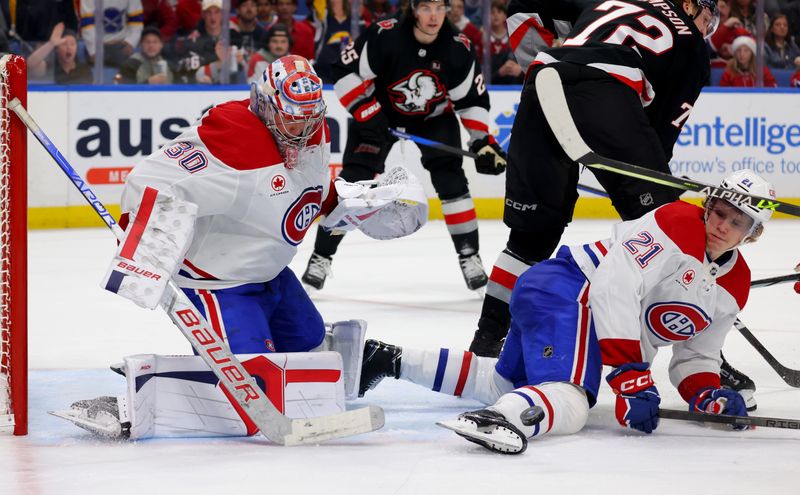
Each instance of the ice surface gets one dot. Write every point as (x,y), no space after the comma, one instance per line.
(411,293)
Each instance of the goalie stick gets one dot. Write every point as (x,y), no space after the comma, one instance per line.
(556,111)
(458,151)
(237,383)
(791,424)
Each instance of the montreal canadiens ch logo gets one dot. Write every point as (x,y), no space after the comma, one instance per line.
(301,214)
(676,321)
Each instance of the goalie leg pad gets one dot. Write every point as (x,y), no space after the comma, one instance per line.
(348,340)
(179,396)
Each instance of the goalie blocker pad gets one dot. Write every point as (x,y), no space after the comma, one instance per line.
(394,206)
(179,396)
(157,238)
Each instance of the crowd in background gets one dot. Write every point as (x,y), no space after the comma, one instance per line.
(189,42)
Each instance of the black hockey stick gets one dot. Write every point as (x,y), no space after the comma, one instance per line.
(458,151)
(767,282)
(790,376)
(556,110)
(239,385)
(791,424)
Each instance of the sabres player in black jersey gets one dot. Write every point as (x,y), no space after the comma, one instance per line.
(631,72)
(416,72)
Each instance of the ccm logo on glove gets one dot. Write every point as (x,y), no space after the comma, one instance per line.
(636,384)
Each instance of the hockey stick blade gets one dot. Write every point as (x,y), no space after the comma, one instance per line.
(791,424)
(236,381)
(790,376)
(556,111)
(767,282)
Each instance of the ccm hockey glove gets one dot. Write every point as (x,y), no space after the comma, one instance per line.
(719,401)
(371,122)
(491,158)
(637,396)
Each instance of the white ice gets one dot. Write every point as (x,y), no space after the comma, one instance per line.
(411,293)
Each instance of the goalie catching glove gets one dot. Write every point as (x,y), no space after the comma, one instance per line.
(491,158)
(158,236)
(391,207)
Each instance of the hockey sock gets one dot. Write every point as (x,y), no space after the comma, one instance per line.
(459,373)
(565,408)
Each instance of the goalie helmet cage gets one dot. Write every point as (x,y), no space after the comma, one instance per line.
(13,250)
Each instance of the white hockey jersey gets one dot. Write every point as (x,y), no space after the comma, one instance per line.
(253,211)
(653,286)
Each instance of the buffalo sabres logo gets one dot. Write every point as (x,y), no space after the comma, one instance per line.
(417,93)
(675,321)
(301,214)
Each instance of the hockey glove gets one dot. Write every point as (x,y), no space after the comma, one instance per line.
(719,401)
(491,158)
(371,122)
(637,396)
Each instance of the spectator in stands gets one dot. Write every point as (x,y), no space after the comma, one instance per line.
(505,69)
(189,14)
(741,70)
(745,10)
(122,27)
(470,30)
(65,69)
(35,19)
(729,29)
(302,31)
(279,42)
(198,56)
(161,14)
(473,9)
(795,80)
(148,66)
(335,24)
(265,14)
(377,10)
(781,50)
(253,37)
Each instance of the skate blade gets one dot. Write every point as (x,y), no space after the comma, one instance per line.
(499,439)
(108,431)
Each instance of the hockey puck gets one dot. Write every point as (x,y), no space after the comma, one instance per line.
(531,416)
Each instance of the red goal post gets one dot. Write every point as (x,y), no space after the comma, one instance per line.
(13,250)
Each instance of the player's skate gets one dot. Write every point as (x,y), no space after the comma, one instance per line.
(318,269)
(472,269)
(380,360)
(733,379)
(489,429)
(100,416)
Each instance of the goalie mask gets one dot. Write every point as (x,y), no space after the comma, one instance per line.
(289,100)
(746,181)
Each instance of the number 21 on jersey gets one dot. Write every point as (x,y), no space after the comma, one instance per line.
(643,248)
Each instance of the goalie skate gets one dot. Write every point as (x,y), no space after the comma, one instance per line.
(100,416)
(488,429)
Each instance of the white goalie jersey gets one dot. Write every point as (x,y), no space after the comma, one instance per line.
(253,211)
(653,286)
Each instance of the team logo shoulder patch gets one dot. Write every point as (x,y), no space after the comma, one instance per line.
(300,215)
(386,24)
(675,321)
(462,38)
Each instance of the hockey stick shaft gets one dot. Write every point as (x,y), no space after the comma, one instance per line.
(237,382)
(556,111)
(458,151)
(791,424)
(767,282)
(790,376)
